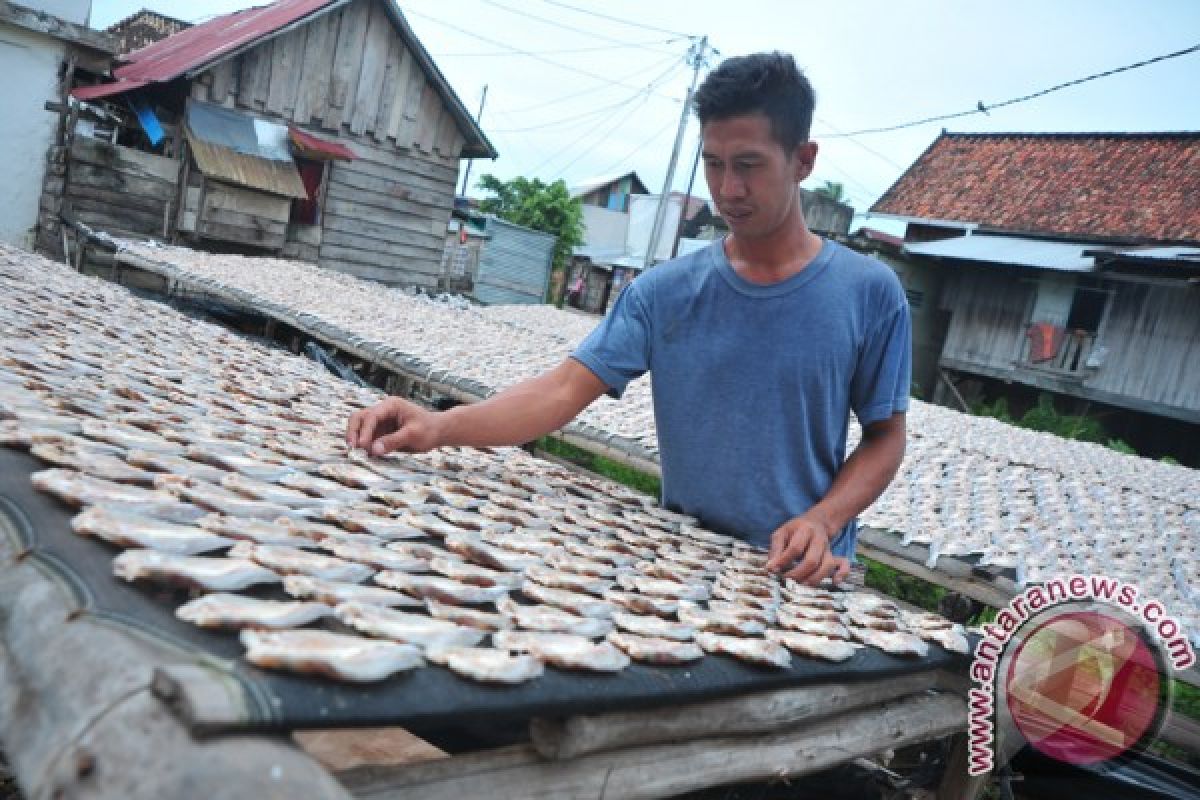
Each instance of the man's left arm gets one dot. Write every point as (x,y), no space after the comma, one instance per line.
(802,545)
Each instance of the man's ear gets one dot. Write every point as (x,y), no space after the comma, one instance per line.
(803,159)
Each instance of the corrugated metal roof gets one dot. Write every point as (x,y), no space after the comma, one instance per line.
(235,147)
(1011,250)
(195,49)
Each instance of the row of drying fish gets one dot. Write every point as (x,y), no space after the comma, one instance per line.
(217,465)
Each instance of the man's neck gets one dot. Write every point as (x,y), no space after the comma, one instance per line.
(774,258)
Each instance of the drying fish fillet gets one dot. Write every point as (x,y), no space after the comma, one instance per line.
(199,572)
(568,580)
(763,615)
(334,592)
(719,622)
(124,436)
(125,529)
(352,475)
(868,604)
(654,650)
(552,620)
(723,592)
(270,492)
(812,646)
(670,572)
(563,650)
(255,530)
(91,461)
(321,488)
(468,617)
(475,549)
(407,497)
(755,651)
(864,620)
(223,610)
(642,603)
(585,605)
(439,588)
(373,555)
(952,639)
(356,519)
(649,625)
(292,561)
(810,612)
(336,655)
(661,588)
(486,665)
(469,520)
(177,465)
(593,553)
(425,552)
(430,523)
(897,643)
(581,566)
(77,489)
(470,573)
(830,628)
(519,542)
(402,626)
(233,461)
(220,500)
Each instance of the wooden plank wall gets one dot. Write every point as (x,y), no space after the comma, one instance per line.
(120,190)
(1153,338)
(1152,333)
(235,214)
(348,76)
(990,312)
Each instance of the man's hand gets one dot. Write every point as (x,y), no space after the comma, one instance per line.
(800,551)
(394,424)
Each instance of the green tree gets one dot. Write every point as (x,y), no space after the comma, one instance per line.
(834,191)
(546,207)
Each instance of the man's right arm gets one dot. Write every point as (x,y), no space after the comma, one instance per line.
(517,415)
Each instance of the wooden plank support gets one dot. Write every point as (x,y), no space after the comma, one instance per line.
(669,769)
(950,573)
(748,714)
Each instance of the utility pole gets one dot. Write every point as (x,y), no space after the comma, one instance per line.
(697,57)
(688,199)
(470,161)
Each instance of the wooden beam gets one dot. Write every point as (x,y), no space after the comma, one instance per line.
(665,770)
(59,28)
(747,714)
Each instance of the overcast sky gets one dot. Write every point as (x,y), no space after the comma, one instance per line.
(579,106)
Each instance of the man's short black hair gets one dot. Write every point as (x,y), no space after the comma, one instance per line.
(766,83)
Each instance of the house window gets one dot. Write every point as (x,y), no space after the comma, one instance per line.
(1087,306)
(916,298)
(312,173)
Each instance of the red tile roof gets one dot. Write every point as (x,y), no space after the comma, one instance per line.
(1137,187)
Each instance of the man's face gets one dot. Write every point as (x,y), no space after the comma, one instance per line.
(752,179)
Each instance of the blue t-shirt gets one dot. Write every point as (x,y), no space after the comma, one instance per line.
(753,385)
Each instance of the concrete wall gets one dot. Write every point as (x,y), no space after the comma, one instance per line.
(29,63)
(604,228)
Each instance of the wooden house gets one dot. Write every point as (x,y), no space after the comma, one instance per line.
(1068,263)
(313,129)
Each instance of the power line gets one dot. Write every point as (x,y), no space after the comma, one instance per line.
(981,108)
(518,50)
(602,135)
(562,25)
(641,146)
(649,87)
(857,143)
(591,13)
(565,50)
(617,81)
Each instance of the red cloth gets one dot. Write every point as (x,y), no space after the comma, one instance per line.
(1044,340)
(306,212)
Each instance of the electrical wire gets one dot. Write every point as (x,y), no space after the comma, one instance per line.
(611,18)
(649,87)
(566,50)
(563,25)
(982,108)
(619,81)
(472,34)
(641,146)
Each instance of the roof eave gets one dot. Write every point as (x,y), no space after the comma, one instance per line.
(477,144)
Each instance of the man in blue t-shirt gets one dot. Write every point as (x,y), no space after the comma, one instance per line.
(759,348)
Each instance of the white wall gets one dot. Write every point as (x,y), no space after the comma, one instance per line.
(29,63)
(77,11)
(604,228)
(642,208)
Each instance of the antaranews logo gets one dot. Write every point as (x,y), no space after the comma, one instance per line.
(1077,667)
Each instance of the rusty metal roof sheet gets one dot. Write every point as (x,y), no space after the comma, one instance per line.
(238,148)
